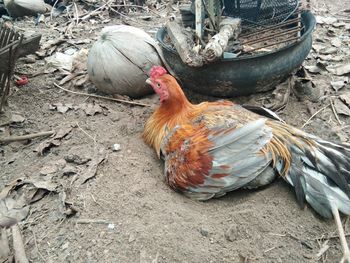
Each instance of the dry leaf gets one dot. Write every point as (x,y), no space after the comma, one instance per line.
(99,156)
(336,42)
(341,108)
(326,20)
(80,60)
(337,85)
(313,69)
(91,108)
(317,47)
(346,98)
(44,184)
(48,169)
(62,108)
(329,51)
(339,69)
(45,146)
(66,207)
(12,211)
(330,58)
(11,186)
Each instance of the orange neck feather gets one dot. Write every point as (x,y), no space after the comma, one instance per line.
(176,110)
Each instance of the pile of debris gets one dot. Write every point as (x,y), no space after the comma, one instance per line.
(211,30)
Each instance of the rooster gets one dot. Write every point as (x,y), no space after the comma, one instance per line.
(213,148)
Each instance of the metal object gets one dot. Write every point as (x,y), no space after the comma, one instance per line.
(260,18)
(12,46)
(272,33)
(242,75)
(260,12)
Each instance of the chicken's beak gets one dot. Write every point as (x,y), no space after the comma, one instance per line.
(148,81)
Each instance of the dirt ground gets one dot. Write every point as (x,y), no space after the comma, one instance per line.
(126,212)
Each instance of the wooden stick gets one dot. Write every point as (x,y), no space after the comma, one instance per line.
(183,44)
(335,112)
(4,243)
(199,11)
(313,115)
(18,246)
(229,28)
(25,137)
(102,97)
(91,221)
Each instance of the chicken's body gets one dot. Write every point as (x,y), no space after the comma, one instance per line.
(216,147)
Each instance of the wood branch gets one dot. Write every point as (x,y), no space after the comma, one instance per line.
(183,44)
(102,97)
(199,11)
(4,244)
(25,137)
(18,245)
(229,28)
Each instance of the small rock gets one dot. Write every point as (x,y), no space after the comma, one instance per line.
(111,226)
(48,169)
(61,163)
(116,147)
(69,170)
(74,158)
(204,232)
(132,238)
(65,245)
(16,118)
(231,234)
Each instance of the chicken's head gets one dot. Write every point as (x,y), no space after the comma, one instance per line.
(170,93)
(156,82)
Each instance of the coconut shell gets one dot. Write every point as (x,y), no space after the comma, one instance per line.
(19,8)
(120,59)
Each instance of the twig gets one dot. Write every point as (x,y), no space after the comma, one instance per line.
(303,242)
(53,8)
(102,97)
(25,137)
(138,6)
(268,250)
(95,201)
(278,235)
(93,138)
(127,17)
(330,237)
(313,115)
(334,112)
(86,16)
(36,245)
(18,246)
(76,14)
(91,221)
(323,249)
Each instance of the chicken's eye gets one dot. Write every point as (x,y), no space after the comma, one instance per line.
(158,85)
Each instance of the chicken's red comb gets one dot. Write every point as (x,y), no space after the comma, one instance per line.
(157,71)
